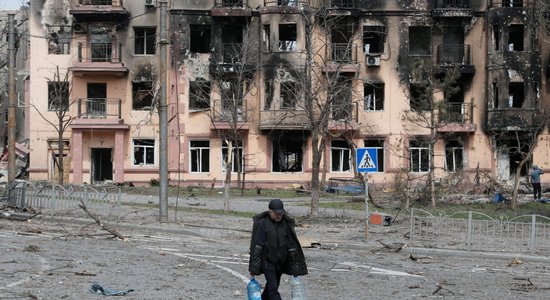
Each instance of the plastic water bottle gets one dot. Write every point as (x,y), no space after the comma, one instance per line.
(254,290)
(297,290)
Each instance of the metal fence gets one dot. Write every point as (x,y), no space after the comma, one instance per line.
(471,230)
(56,199)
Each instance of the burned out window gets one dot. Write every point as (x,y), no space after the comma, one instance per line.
(266,37)
(288,94)
(512,3)
(340,156)
(59,39)
(268,94)
(199,153)
(341,100)
(373,96)
(419,156)
(454,155)
(142,95)
(287,2)
(199,38)
(287,37)
(516,94)
(287,154)
(58,95)
(495,95)
(373,39)
(144,152)
(377,144)
(144,40)
(515,37)
(419,40)
(419,98)
(199,94)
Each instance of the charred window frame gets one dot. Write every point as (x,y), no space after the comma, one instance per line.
(495,95)
(512,3)
(287,37)
(58,95)
(377,144)
(59,39)
(419,156)
(373,93)
(199,154)
(516,37)
(420,40)
(287,153)
(288,94)
(496,37)
(144,40)
(199,39)
(340,156)
(144,152)
(199,94)
(268,94)
(142,95)
(516,94)
(287,2)
(341,100)
(419,98)
(374,38)
(266,36)
(454,156)
(237,154)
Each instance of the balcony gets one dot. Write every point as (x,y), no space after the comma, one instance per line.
(227,116)
(99,10)
(99,58)
(342,58)
(344,117)
(456,117)
(99,113)
(449,56)
(515,119)
(452,9)
(231,8)
(283,119)
(284,6)
(511,3)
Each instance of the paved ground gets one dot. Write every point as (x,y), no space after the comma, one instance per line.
(204,256)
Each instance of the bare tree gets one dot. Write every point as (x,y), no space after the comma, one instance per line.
(59,91)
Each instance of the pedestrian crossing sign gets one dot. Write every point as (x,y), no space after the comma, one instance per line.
(367,160)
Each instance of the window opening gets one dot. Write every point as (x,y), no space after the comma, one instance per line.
(200,156)
(142,95)
(237,154)
(287,37)
(58,95)
(199,94)
(340,156)
(378,144)
(144,152)
(454,156)
(287,153)
(515,37)
(373,39)
(144,40)
(419,156)
(373,96)
(419,40)
(199,38)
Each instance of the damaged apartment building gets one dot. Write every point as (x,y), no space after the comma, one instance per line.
(264,82)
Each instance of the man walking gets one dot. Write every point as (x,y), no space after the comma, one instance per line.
(535,181)
(275,249)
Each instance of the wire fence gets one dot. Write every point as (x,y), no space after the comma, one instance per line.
(469,230)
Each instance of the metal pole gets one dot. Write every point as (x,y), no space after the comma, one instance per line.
(366,207)
(11,107)
(163,117)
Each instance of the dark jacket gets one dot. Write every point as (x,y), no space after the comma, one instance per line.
(277,243)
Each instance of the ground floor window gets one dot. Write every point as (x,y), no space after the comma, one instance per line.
(199,152)
(419,156)
(453,155)
(237,156)
(288,152)
(378,144)
(340,156)
(144,152)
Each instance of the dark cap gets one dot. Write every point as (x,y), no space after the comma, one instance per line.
(277,206)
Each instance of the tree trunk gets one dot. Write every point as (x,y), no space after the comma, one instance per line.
(227,182)
(316,154)
(60,150)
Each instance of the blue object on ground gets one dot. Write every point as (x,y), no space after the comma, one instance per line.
(543,201)
(98,289)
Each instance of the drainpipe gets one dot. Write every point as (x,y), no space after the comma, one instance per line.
(11,108)
(163,117)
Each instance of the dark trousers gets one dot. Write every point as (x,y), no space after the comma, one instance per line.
(537,191)
(273,279)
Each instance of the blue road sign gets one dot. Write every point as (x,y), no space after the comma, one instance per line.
(367,160)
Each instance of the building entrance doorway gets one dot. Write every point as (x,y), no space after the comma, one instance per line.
(102,164)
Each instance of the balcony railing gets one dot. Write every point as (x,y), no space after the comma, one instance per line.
(99,52)
(99,108)
(101,2)
(342,3)
(461,4)
(231,3)
(227,111)
(344,53)
(455,113)
(232,52)
(454,54)
(294,3)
